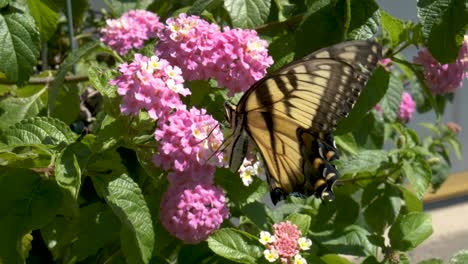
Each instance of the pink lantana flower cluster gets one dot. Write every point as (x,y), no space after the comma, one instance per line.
(131,30)
(188,142)
(236,58)
(192,212)
(192,208)
(285,243)
(407,107)
(444,78)
(151,84)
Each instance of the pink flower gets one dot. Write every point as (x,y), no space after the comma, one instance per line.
(188,141)
(151,84)
(286,240)
(444,78)
(236,58)
(131,30)
(407,107)
(192,212)
(244,60)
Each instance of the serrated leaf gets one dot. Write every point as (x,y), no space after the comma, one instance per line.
(38,130)
(460,257)
(390,103)
(419,174)
(69,165)
(410,230)
(365,161)
(247,13)
(28,203)
(110,131)
(235,245)
(302,222)
(201,5)
(46,16)
(394,27)
(372,93)
(365,19)
(14,109)
(126,200)
(99,78)
(443,26)
(20,42)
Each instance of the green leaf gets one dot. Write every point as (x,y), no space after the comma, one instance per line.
(69,166)
(126,200)
(257,213)
(371,260)
(410,230)
(97,227)
(330,31)
(365,19)
(412,202)
(394,27)
(99,78)
(365,161)
(350,241)
(443,26)
(440,171)
(238,193)
(285,9)
(383,200)
(419,174)
(38,130)
(14,109)
(372,93)
(28,203)
(65,67)
(25,157)
(337,215)
(390,103)
(431,261)
(282,50)
(302,222)
(247,13)
(110,131)
(199,254)
(67,104)
(46,16)
(334,259)
(201,5)
(460,257)
(4,3)
(20,42)
(235,245)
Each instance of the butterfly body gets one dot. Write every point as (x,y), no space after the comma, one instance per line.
(290,114)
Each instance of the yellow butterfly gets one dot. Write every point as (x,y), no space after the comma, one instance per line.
(291,113)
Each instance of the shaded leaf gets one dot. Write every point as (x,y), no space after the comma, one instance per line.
(247,13)
(46,16)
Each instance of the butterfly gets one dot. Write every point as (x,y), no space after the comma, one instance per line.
(291,113)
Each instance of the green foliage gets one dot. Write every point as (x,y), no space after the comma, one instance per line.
(88,189)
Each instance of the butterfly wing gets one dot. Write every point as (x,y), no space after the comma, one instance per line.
(311,94)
